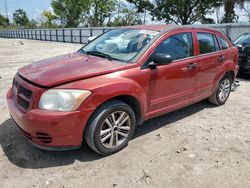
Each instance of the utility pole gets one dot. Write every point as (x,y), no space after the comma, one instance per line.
(6,10)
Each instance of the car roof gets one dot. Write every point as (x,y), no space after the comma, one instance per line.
(149,27)
(165,27)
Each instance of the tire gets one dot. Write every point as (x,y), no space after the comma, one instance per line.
(102,128)
(223,89)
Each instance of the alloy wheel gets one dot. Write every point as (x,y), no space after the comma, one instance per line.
(115,129)
(224,90)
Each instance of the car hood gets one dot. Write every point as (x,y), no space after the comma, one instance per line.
(67,68)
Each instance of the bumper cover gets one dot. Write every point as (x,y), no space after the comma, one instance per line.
(50,129)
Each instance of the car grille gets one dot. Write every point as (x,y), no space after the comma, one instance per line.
(22,95)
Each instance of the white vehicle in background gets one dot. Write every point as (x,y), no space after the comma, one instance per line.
(91,38)
(124,42)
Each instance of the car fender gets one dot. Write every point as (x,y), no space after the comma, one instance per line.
(105,88)
(227,66)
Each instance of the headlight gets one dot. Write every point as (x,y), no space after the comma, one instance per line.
(63,99)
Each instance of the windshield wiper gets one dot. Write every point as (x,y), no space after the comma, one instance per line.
(100,54)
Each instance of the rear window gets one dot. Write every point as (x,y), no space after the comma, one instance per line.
(224,43)
(207,43)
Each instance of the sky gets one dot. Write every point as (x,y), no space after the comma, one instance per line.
(34,9)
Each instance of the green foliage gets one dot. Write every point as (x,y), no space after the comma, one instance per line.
(229,5)
(99,11)
(72,13)
(20,18)
(96,13)
(4,21)
(205,20)
(126,16)
(32,24)
(142,5)
(49,19)
(178,11)
(69,11)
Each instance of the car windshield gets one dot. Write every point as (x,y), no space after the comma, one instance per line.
(119,44)
(242,39)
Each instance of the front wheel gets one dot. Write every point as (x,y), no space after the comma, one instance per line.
(110,128)
(222,92)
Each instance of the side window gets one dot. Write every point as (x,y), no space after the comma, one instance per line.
(177,46)
(207,43)
(224,43)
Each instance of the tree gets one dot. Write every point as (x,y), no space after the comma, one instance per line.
(20,18)
(205,20)
(178,11)
(183,11)
(32,24)
(246,9)
(49,19)
(125,16)
(4,21)
(70,12)
(229,5)
(99,11)
(142,5)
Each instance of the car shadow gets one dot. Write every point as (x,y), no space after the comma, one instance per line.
(22,154)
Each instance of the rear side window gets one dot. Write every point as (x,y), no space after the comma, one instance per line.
(224,43)
(177,46)
(207,43)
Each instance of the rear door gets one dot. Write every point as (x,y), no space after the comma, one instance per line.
(209,59)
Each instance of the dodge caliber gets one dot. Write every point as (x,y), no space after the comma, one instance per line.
(117,81)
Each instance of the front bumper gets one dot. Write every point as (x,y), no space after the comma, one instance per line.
(50,129)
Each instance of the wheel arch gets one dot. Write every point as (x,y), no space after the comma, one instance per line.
(131,101)
(134,103)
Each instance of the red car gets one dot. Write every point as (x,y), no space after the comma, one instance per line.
(117,81)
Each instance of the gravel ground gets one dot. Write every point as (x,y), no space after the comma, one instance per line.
(198,146)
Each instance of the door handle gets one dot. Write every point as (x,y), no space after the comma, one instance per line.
(221,58)
(191,66)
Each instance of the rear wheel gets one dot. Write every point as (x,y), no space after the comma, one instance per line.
(222,92)
(110,128)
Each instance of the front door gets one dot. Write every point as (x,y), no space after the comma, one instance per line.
(173,85)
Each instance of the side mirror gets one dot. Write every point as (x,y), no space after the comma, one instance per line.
(160,59)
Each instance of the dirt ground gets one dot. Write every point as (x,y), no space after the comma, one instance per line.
(198,146)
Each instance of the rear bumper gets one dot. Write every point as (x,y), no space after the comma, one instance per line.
(50,129)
